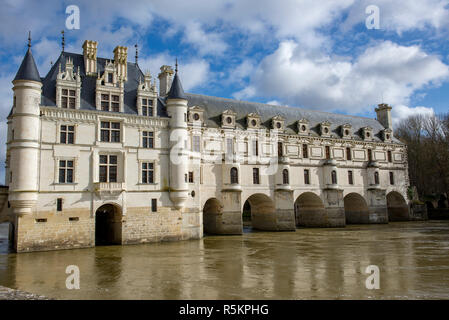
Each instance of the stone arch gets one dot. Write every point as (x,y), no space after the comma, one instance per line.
(212,209)
(397,207)
(310,210)
(263,211)
(356,209)
(108,224)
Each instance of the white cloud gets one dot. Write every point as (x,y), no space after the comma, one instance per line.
(402,15)
(193,73)
(204,42)
(400,112)
(386,70)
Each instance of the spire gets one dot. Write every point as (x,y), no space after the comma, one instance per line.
(137,53)
(28,69)
(176,91)
(63,40)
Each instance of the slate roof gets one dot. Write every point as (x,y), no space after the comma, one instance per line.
(176,90)
(28,69)
(213,106)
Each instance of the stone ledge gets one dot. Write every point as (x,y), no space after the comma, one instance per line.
(12,294)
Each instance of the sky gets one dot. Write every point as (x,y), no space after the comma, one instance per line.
(317,55)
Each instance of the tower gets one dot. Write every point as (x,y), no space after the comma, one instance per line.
(24,147)
(384,115)
(177,111)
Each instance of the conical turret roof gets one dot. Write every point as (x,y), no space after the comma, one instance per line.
(176,91)
(28,69)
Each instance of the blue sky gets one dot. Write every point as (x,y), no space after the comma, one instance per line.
(312,54)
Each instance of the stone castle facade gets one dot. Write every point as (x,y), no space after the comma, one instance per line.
(97,154)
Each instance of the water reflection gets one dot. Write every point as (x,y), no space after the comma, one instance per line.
(306,264)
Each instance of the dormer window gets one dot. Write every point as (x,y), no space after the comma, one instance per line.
(303,127)
(277,123)
(325,128)
(253,121)
(68,86)
(109,90)
(386,135)
(367,133)
(345,131)
(228,119)
(195,115)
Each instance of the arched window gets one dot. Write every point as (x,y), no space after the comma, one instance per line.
(376,177)
(234,175)
(285,176)
(334,177)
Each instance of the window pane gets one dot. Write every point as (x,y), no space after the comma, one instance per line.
(115,98)
(70,138)
(64,102)
(70,164)
(112,174)
(150,177)
(69,175)
(113,159)
(103,176)
(64,91)
(115,125)
(63,137)
(105,97)
(61,176)
(115,136)
(150,143)
(144,111)
(72,93)
(144,177)
(150,111)
(103,159)
(115,107)
(105,135)
(104,124)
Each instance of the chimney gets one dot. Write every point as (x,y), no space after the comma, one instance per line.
(165,79)
(90,57)
(120,61)
(384,115)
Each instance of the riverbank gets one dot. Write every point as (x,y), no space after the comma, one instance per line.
(12,294)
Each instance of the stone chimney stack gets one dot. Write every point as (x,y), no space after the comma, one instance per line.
(120,61)
(165,79)
(90,57)
(384,115)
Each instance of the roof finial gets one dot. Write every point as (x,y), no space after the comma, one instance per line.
(29,39)
(137,52)
(176,65)
(63,40)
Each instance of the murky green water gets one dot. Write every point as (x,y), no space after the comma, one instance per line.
(413,258)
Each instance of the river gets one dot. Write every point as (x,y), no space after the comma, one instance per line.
(413,259)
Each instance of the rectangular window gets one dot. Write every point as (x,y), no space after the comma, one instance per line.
(370,155)
(110,78)
(350,177)
(147,139)
(190,176)
(58,205)
(391,178)
(255,148)
(67,134)
(280,149)
(66,171)
(196,144)
(105,102)
(328,152)
(390,158)
(110,131)
(108,168)
(306,176)
(68,99)
(153,205)
(229,146)
(256,176)
(147,107)
(305,151)
(348,154)
(147,172)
